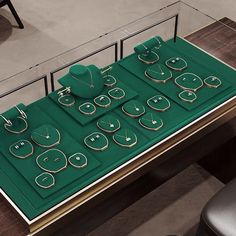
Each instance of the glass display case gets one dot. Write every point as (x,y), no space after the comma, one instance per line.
(64,149)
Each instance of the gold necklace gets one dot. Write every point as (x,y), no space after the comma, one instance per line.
(160,73)
(152,120)
(47,136)
(109,123)
(130,140)
(126,137)
(135,107)
(91,84)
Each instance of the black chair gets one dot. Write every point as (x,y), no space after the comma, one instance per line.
(13,11)
(218,217)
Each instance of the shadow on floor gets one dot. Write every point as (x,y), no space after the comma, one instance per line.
(167,194)
(222,162)
(5,29)
(192,231)
(21,49)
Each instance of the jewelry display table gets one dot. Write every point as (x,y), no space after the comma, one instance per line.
(83,153)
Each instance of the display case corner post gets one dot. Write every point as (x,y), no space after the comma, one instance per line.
(176,27)
(121,48)
(52,81)
(45,84)
(116,51)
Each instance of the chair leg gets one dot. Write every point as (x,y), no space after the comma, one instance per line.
(14,13)
(200,230)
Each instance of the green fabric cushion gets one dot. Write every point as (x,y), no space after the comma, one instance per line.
(85,82)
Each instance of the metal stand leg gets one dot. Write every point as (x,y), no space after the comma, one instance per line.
(14,13)
(201,231)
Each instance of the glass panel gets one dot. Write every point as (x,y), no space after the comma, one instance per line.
(160,22)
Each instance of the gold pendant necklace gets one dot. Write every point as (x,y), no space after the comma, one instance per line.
(156,72)
(47,136)
(129,140)
(91,84)
(152,120)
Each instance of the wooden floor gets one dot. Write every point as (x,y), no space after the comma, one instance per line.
(216,39)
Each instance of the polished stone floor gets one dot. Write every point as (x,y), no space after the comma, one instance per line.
(172,209)
(52,27)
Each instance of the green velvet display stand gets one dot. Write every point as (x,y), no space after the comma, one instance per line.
(84,81)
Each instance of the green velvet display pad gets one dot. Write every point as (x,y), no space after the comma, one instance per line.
(85,119)
(17,176)
(170,89)
(28,167)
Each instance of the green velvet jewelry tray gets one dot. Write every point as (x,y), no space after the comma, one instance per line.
(17,176)
(85,119)
(170,89)
(28,167)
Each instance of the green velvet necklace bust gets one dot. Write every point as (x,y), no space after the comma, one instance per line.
(84,81)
